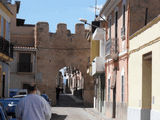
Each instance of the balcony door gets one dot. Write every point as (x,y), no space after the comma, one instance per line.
(24,64)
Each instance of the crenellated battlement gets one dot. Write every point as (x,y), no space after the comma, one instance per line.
(42,26)
(62,38)
(79,28)
(62,27)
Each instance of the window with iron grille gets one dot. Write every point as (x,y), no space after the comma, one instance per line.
(122,88)
(109,25)
(24,64)
(124,9)
(109,89)
(116,24)
(116,31)
(2,27)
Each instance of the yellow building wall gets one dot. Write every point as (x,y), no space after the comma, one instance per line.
(94,49)
(156,76)
(94,52)
(135,80)
(6,14)
(144,41)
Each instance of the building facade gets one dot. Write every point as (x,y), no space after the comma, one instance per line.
(74,82)
(6,48)
(40,54)
(98,65)
(23,67)
(144,54)
(123,18)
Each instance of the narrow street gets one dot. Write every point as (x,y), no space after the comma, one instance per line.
(70,108)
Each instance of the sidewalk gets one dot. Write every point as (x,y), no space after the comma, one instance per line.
(96,114)
(77,100)
(91,111)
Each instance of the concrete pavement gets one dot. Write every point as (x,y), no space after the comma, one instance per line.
(71,108)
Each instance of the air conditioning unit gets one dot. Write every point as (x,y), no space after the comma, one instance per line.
(98,65)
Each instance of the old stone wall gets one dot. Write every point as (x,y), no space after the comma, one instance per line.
(51,52)
(60,49)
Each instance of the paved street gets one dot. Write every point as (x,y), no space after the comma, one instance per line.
(72,109)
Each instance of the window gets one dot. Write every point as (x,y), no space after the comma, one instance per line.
(116,31)
(124,9)
(122,88)
(124,20)
(109,89)
(24,64)
(7,30)
(2,22)
(116,24)
(109,25)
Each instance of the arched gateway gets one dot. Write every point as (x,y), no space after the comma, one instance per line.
(56,50)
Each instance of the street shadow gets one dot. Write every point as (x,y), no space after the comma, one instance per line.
(58,117)
(67,100)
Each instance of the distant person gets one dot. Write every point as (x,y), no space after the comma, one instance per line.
(33,106)
(57,92)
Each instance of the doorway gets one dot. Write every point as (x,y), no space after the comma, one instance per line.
(146,86)
(114,93)
(3,85)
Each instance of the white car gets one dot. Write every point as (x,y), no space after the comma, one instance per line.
(19,96)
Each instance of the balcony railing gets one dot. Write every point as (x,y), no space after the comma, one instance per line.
(108,47)
(24,67)
(6,47)
(6,1)
(123,33)
(112,49)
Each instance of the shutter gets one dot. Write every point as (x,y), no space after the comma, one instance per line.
(113,84)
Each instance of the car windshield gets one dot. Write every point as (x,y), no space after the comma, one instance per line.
(22,93)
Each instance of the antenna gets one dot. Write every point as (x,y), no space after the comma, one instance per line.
(95,8)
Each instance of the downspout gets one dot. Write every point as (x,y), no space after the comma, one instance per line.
(128,34)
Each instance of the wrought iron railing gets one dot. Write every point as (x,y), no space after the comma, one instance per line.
(6,47)
(6,1)
(112,49)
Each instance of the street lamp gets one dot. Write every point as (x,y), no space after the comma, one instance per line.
(83,20)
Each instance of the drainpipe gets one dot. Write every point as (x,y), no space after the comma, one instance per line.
(128,34)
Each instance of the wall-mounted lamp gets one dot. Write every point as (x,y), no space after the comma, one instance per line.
(83,20)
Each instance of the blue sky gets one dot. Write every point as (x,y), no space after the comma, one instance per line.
(58,11)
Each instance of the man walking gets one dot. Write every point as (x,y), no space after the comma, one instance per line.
(33,106)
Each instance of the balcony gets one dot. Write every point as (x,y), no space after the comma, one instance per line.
(111,49)
(6,1)
(98,65)
(99,34)
(6,48)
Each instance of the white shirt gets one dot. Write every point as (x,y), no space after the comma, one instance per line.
(33,107)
